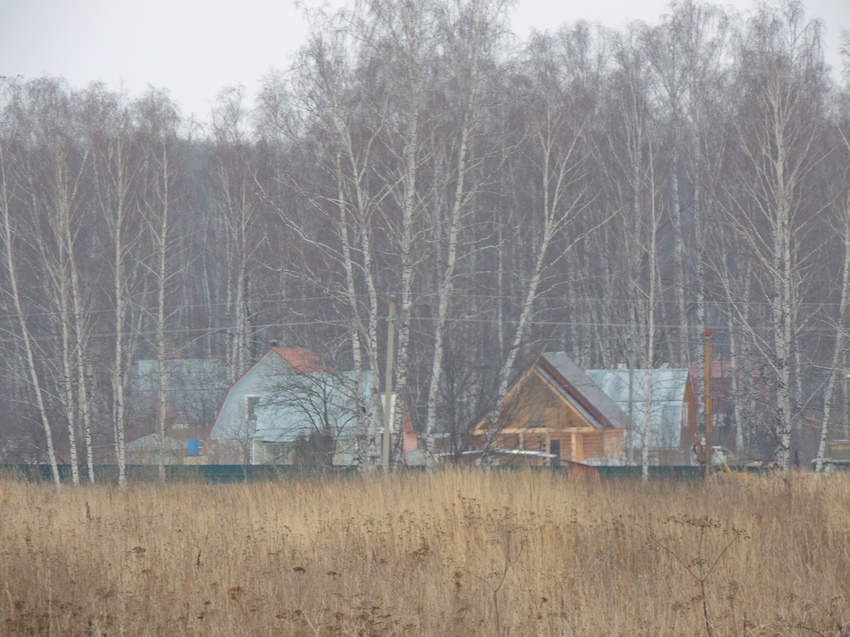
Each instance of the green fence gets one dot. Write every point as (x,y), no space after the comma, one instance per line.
(219,474)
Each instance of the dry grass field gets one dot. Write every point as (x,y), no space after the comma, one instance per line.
(447,553)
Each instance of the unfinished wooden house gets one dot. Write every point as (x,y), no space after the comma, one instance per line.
(554,412)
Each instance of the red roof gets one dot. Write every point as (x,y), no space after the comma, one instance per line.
(302,360)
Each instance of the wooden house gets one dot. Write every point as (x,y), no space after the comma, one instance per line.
(555,412)
(558,412)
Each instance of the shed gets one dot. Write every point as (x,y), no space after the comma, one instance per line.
(667,395)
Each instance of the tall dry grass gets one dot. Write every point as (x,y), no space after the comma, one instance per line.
(447,553)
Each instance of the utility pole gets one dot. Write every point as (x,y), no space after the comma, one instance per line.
(708,425)
(630,361)
(388,388)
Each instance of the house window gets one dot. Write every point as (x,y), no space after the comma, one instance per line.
(555,450)
(275,453)
(251,407)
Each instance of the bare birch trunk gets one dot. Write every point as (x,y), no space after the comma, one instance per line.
(407,273)
(115,200)
(445,287)
(838,350)
(652,275)
(367,423)
(163,239)
(119,369)
(20,315)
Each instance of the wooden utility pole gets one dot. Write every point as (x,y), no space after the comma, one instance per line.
(708,425)
(388,389)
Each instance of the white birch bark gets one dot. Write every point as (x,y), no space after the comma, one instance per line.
(235,182)
(561,163)
(652,277)
(60,266)
(776,140)
(838,350)
(836,370)
(346,157)
(161,231)
(115,178)
(157,124)
(7,238)
(445,286)
(468,49)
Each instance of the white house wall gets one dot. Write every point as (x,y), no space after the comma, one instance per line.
(232,421)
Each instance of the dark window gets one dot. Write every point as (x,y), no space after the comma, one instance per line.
(251,406)
(555,449)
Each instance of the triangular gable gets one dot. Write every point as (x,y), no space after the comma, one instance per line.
(570,397)
(565,379)
(580,386)
(301,360)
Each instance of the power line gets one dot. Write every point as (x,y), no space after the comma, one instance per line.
(229,328)
(267,299)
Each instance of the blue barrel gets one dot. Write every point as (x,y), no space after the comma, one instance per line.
(193,447)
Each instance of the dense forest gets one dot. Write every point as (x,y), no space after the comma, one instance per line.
(607,193)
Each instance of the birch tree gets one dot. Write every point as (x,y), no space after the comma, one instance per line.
(635,147)
(462,161)
(57,178)
(115,176)
(233,179)
(836,371)
(556,147)
(777,128)
(685,53)
(338,128)
(8,237)
(157,123)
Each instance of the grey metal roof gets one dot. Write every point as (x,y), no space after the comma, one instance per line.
(584,384)
(193,386)
(151,443)
(183,374)
(630,390)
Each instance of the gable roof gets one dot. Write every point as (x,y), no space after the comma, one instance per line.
(300,360)
(567,379)
(578,385)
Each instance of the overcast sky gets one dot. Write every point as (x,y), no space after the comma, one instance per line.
(194,48)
